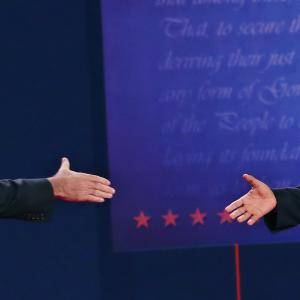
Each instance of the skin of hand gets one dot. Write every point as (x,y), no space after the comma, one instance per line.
(259,201)
(73,186)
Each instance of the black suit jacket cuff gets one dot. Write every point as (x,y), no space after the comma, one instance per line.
(287,212)
(29,199)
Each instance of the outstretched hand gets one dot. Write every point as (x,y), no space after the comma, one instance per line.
(73,186)
(259,201)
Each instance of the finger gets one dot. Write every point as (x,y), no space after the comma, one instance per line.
(65,164)
(98,179)
(238,212)
(92,198)
(234,205)
(244,217)
(252,180)
(101,194)
(252,220)
(104,188)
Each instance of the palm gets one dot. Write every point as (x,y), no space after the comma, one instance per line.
(259,201)
(69,185)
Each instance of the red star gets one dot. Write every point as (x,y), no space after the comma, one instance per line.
(170,218)
(224,217)
(142,220)
(198,217)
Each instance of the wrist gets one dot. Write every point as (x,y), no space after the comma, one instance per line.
(274,199)
(57,186)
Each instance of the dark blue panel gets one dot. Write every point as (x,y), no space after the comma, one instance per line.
(205,274)
(270,272)
(50,107)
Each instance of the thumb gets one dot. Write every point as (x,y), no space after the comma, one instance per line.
(65,164)
(252,180)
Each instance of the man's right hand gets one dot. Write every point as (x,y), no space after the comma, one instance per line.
(73,186)
(259,201)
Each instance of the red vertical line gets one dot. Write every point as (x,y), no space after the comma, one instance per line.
(237,271)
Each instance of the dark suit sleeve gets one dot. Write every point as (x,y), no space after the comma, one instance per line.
(287,212)
(30,199)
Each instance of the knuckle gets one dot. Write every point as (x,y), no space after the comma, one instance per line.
(96,178)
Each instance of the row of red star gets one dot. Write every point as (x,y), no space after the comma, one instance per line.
(142,220)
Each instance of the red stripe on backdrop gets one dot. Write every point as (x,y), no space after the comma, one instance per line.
(237,271)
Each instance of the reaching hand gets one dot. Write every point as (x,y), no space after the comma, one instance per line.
(259,201)
(79,187)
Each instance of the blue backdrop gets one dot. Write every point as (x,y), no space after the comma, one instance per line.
(198,93)
(52,104)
